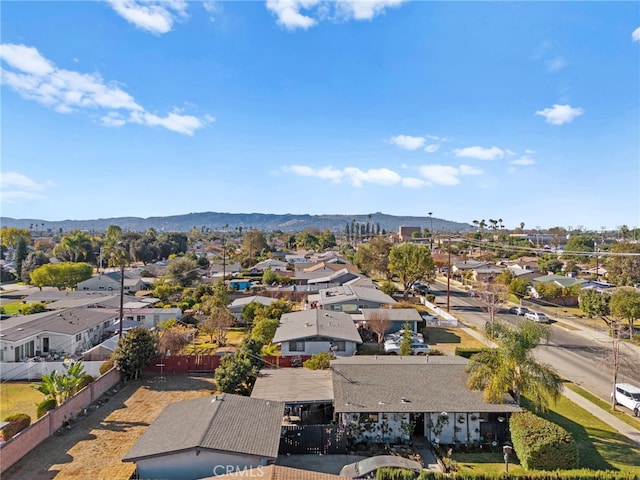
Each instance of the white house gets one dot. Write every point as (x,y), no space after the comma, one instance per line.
(208,436)
(67,331)
(313,331)
(111,282)
(350,298)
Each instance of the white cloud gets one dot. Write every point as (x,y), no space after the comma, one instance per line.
(288,13)
(555,64)
(440,174)
(304,14)
(357,177)
(412,182)
(213,8)
(407,142)
(432,148)
(325,173)
(559,114)
(365,9)
(16,186)
(155,16)
(635,36)
(35,78)
(523,161)
(481,153)
(469,170)
(528,151)
(379,176)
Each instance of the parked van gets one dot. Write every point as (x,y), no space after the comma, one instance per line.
(629,396)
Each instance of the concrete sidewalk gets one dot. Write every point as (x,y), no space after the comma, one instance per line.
(622,427)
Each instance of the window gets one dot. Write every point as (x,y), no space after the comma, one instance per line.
(78,337)
(338,346)
(370,417)
(296,346)
(105,325)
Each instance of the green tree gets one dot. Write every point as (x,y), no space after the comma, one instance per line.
(33,261)
(579,248)
(269,277)
(319,361)
(411,262)
(624,270)
(388,287)
(173,338)
(407,340)
(594,303)
(373,257)
(549,263)
(20,255)
(264,330)
(74,247)
(512,367)
(61,386)
(9,236)
(326,240)
(183,271)
(136,350)
(61,275)
(519,287)
(253,243)
(237,373)
(306,240)
(625,304)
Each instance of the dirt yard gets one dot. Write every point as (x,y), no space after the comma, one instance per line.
(92,449)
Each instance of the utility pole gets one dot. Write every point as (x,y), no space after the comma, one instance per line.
(449,275)
(595,248)
(121,299)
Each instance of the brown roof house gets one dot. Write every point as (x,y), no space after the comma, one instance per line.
(208,436)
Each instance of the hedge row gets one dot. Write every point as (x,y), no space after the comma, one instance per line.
(17,423)
(542,445)
(467,352)
(45,405)
(558,475)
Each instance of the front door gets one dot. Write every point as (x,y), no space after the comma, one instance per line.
(45,345)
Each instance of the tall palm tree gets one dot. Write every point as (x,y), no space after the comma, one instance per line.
(75,244)
(512,368)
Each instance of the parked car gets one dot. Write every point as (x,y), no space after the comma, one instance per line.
(629,396)
(518,310)
(537,317)
(396,337)
(430,318)
(417,348)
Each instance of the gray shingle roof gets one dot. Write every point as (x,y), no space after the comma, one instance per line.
(294,385)
(226,422)
(316,323)
(399,314)
(350,292)
(432,384)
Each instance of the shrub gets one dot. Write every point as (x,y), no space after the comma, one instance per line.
(17,423)
(45,405)
(468,352)
(85,380)
(319,361)
(542,445)
(106,366)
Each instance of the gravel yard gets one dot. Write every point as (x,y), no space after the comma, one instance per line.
(92,449)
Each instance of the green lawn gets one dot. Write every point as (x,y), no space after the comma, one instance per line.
(12,308)
(600,446)
(19,397)
(619,413)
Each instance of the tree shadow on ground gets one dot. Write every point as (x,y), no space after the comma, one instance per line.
(176,382)
(120,426)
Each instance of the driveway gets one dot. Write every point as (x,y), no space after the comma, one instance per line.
(318,463)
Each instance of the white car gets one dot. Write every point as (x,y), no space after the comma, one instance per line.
(537,317)
(416,348)
(629,396)
(396,337)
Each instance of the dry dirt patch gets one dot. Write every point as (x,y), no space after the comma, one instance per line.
(93,448)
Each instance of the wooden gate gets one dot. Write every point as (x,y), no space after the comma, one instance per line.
(313,439)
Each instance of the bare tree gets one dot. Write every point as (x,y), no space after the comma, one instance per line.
(379,322)
(493,296)
(175,338)
(216,324)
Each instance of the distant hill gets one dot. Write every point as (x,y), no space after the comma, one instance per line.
(218,221)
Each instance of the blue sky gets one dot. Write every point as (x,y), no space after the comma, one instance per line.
(524,111)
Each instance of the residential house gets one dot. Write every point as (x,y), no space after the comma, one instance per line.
(397,316)
(313,331)
(109,282)
(306,394)
(208,436)
(350,298)
(239,303)
(67,331)
(271,264)
(461,267)
(390,399)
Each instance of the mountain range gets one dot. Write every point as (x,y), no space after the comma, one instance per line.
(231,221)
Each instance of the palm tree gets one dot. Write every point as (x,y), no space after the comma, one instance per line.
(75,244)
(512,368)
